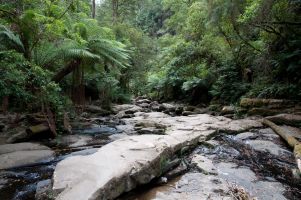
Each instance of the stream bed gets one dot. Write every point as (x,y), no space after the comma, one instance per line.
(254,163)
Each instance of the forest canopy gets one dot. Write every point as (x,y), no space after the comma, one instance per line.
(56,54)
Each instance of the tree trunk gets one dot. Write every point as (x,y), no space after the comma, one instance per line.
(5,104)
(65,71)
(115,11)
(78,87)
(93,9)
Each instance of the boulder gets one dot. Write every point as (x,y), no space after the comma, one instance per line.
(141,101)
(228,110)
(187,113)
(21,136)
(21,154)
(97,110)
(128,108)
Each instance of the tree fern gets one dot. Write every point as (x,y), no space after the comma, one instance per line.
(9,40)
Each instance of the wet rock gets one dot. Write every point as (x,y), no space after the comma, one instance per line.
(97,110)
(247,179)
(80,153)
(228,110)
(191,186)
(74,140)
(129,108)
(3,182)
(117,167)
(187,113)
(144,105)
(118,136)
(204,164)
(21,136)
(168,107)
(264,145)
(244,136)
(43,191)
(288,119)
(293,131)
(141,101)
(27,146)
(16,155)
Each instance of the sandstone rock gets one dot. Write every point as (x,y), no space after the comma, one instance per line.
(169,107)
(117,167)
(187,113)
(228,110)
(293,131)
(244,136)
(126,107)
(247,179)
(141,101)
(21,136)
(288,119)
(191,186)
(204,164)
(126,163)
(74,140)
(97,110)
(16,155)
(263,145)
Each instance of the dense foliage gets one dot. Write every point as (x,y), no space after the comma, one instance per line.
(55,51)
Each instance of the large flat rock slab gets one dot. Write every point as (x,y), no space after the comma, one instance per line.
(122,165)
(21,154)
(119,166)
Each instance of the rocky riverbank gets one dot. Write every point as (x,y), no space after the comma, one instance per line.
(149,150)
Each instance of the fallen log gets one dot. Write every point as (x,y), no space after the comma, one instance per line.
(292,141)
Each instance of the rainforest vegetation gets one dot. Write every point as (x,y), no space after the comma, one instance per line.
(57,55)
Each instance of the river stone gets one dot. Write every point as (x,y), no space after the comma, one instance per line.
(20,154)
(191,186)
(117,167)
(129,108)
(288,119)
(244,136)
(247,179)
(204,164)
(26,146)
(75,140)
(264,145)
